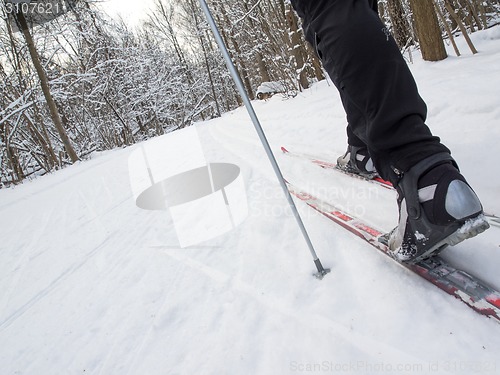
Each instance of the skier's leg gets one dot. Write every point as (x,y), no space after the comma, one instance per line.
(366,65)
(437,206)
(357,158)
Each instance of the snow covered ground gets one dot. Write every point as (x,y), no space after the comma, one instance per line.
(92,284)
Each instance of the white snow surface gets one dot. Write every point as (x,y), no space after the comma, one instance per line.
(92,284)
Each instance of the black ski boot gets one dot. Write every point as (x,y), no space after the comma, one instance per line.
(437,208)
(357,160)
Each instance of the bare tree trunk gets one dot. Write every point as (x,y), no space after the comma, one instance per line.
(264,74)
(297,47)
(428,31)
(44,83)
(318,69)
(399,23)
(475,14)
(261,64)
(482,11)
(460,24)
(238,56)
(447,28)
(244,70)
(207,64)
(45,143)
(224,37)
(12,158)
(165,19)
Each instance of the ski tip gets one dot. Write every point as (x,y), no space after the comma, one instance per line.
(493,220)
(383,182)
(284,150)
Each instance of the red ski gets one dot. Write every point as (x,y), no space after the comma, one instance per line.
(467,288)
(492,219)
(329,165)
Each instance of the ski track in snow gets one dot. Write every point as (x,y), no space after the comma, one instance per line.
(92,284)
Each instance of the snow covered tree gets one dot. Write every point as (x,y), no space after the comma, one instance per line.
(19,17)
(112,86)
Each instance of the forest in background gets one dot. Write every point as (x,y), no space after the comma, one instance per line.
(84,83)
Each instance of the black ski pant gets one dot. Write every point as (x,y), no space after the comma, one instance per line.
(384,111)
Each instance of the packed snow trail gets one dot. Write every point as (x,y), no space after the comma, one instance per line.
(92,284)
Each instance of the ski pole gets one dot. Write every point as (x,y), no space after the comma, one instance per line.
(246,100)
